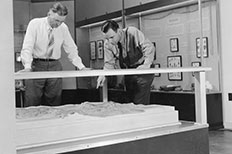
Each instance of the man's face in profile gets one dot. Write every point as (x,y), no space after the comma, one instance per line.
(112,36)
(55,20)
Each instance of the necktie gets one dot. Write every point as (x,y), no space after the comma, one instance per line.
(50,43)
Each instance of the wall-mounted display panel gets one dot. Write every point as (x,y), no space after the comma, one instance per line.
(92,50)
(174,45)
(100,49)
(174,62)
(204,48)
(155,50)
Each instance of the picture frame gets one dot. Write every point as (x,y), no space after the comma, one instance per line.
(157,65)
(174,45)
(92,45)
(100,49)
(174,62)
(195,64)
(205,47)
(155,50)
(18,57)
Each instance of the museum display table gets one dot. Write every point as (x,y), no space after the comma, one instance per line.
(188,135)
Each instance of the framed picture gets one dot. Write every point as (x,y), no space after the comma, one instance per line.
(17,57)
(205,47)
(174,45)
(92,50)
(155,50)
(100,48)
(195,64)
(157,65)
(174,62)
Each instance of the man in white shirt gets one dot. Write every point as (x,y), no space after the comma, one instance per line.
(41,51)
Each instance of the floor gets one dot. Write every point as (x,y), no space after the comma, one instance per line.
(220,141)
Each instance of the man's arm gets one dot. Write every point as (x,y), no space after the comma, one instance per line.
(147,47)
(110,54)
(72,50)
(28,44)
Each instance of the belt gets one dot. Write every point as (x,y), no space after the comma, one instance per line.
(43,59)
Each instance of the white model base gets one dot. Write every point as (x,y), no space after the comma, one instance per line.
(41,132)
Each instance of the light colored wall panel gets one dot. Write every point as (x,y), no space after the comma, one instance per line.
(226,37)
(94,8)
(7,95)
(101,7)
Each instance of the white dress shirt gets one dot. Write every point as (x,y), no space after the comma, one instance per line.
(36,42)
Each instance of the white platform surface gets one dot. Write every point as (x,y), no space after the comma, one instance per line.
(43,132)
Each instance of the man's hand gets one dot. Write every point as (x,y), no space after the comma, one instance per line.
(19,85)
(100,81)
(144,66)
(25,70)
(85,68)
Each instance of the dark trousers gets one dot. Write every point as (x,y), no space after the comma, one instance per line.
(138,88)
(44,91)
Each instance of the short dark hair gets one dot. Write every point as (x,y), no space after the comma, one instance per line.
(60,9)
(109,24)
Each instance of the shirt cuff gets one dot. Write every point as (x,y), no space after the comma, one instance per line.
(81,66)
(27,66)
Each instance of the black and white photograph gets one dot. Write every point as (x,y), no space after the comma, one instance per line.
(174,62)
(93,50)
(205,50)
(115,77)
(174,45)
(100,49)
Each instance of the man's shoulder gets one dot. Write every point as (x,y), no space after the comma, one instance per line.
(63,27)
(36,21)
(131,29)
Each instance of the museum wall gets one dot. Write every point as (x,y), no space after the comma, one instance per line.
(182,24)
(102,7)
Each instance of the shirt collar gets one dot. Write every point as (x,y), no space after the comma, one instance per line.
(47,24)
(122,36)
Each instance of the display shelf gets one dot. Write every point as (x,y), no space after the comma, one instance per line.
(89,73)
